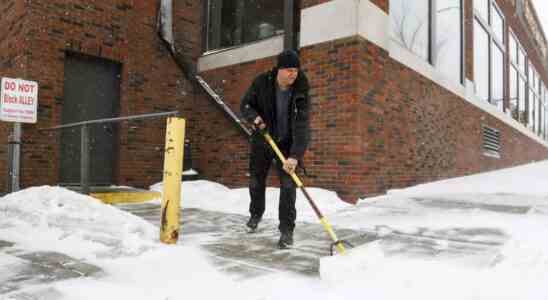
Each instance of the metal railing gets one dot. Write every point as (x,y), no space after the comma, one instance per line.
(84,139)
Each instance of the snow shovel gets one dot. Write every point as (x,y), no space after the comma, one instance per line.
(339,244)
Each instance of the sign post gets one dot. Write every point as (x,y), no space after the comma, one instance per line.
(18,104)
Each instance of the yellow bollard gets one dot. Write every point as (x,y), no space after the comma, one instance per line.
(173,172)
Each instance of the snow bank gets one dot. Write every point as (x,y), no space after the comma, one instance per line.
(135,265)
(169,272)
(527,179)
(217,197)
(56,219)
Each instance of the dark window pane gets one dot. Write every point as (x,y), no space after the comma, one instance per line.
(234,22)
(497,78)
(263,19)
(522,106)
(409,23)
(481,61)
(531,108)
(448,42)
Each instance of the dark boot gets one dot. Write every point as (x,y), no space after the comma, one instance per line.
(286,240)
(253,223)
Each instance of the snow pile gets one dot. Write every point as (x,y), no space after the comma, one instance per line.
(516,270)
(527,179)
(213,196)
(57,219)
(519,271)
(169,272)
(125,247)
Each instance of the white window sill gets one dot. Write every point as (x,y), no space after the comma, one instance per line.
(236,55)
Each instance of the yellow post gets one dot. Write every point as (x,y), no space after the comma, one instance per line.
(173,172)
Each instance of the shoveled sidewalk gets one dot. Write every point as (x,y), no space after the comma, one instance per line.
(232,250)
(20,268)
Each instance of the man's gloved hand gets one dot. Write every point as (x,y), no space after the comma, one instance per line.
(290,165)
(259,123)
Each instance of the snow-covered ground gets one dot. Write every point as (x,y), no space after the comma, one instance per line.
(510,206)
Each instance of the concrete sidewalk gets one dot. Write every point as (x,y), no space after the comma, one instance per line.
(21,268)
(224,238)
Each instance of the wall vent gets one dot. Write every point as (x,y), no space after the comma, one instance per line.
(491,142)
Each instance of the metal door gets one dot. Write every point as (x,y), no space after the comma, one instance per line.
(91,91)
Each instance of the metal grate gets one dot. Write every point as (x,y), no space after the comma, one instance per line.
(491,142)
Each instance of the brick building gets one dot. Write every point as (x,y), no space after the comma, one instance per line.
(403,92)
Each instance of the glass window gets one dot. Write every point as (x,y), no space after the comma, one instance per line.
(513,103)
(512,46)
(546,115)
(532,80)
(448,43)
(535,80)
(535,114)
(541,113)
(497,23)
(410,25)
(481,61)
(497,77)
(482,9)
(522,106)
(545,121)
(531,109)
(235,22)
(522,60)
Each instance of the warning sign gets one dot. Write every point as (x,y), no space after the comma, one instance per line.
(19,100)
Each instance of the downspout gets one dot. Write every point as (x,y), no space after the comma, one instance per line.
(164,28)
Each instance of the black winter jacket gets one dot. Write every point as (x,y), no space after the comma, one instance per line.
(260,100)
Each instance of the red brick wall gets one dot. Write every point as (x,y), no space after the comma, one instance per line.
(389,127)
(222,149)
(383,4)
(13,64)
(333,158)
(376,124)
(123,31)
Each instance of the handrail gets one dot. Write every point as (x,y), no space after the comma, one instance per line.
(112,120)
(85,162)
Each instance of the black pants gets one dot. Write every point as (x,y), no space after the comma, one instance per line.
(261,159)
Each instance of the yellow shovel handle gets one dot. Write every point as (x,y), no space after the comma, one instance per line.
(300,184)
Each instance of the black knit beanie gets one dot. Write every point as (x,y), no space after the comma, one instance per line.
(288,59)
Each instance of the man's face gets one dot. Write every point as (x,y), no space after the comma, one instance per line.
(287,76)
